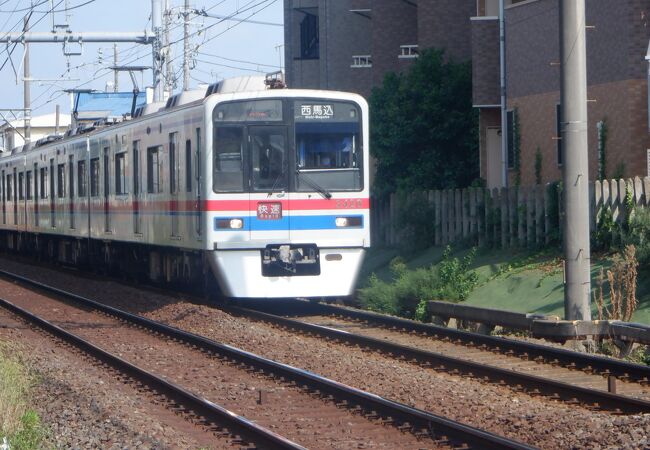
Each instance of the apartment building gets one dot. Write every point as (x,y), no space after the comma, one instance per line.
(351,44)
(618,32)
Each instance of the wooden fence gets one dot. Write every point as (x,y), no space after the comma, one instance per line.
(507,217)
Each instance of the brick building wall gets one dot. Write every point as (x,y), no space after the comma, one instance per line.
(372,27)
(485,62)
(617,85)
(446,24)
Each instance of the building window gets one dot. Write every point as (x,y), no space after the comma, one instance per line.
(408,51)
(60,181)
(120,174)
(94,177)
(510,138)
(153,170)
(309,40)
(558,133)
(359,61)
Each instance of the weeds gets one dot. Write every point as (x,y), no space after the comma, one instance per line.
(20,424)
(622,281)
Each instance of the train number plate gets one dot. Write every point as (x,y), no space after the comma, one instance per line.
(269,210)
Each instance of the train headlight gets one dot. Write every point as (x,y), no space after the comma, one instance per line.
(236,223)
(233,224)
(347,222)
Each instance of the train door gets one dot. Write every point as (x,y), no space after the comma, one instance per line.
(107,186)
(15,196)
(269,182)
(173,184)
(198,217)
(52,195)
(136,188)
(36,195)
(4,199)
(71,191)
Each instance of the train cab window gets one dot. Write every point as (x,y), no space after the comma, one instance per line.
(82,179)
(29,181)
(44,182)
(60,181)
(94,177)
(228,166)
(21,186)
(153,170)
(120,174)
(188,165)
(269,159)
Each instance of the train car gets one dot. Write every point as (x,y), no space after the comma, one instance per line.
(257,193)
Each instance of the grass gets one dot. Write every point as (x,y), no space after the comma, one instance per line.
(19,423)
(513,280)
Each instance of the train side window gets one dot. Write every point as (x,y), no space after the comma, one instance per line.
(173,163)
(153,170)
(82,179)
(188,165)
(71,176)
(28,184)
(136,167)
(9,187)
(94,177)
(21,186)
(120,174)
(43,182)
(228,165)
(60,181)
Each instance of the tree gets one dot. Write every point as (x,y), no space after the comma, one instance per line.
(424,128)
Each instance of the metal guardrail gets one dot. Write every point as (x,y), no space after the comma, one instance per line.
(548,327)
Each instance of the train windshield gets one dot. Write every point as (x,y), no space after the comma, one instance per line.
(328,146)
(258,147)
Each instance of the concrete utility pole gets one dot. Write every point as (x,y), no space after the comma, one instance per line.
(156,27)
(577,252)
(186,46)
(116,74)
(27,98)
(169,67)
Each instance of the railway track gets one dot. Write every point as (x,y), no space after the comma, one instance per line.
(536,369)
(379,412)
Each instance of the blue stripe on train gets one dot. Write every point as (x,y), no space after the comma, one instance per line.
(292,222)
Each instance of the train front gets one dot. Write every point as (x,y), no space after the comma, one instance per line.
(289,205)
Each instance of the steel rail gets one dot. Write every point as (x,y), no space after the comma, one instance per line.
(567,358)
(206,409)
(439,428)
(529,383)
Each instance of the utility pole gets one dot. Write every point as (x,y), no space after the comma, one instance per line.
(169,68)
(116,76)
(577,252)
(156,27)
(27,100)
(186,46)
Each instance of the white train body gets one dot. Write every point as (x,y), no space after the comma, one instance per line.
(267,190)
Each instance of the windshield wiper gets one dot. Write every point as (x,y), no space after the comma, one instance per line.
(318,188)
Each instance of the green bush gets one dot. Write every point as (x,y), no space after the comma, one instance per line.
(407,295)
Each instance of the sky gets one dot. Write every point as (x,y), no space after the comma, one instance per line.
(225,48)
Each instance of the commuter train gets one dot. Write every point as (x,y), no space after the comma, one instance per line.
(255,192)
